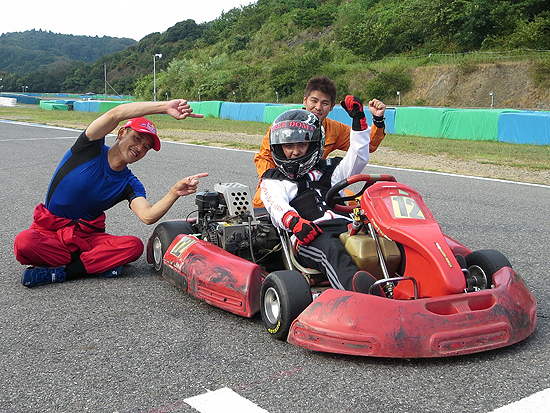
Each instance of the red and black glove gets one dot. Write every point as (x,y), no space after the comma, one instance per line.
(354,106)
(305,231)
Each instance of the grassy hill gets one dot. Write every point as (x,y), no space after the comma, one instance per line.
(24,52)
(268,50)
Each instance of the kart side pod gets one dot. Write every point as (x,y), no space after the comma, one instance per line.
(213,275)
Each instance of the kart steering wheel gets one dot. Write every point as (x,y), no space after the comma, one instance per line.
(335,201)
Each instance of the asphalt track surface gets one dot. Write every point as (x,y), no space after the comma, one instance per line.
(138,344)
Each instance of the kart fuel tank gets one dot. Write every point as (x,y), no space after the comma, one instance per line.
(362,250)
(213,275)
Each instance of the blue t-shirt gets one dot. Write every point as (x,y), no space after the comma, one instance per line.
(84,185)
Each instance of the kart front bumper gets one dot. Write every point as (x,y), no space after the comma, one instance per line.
(359,324)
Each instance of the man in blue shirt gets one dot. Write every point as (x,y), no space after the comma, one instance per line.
(67,238)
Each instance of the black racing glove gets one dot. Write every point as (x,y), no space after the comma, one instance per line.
(354,106)
(305,231)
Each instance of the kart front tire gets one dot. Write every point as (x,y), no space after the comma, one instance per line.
(285,294)
(163,235)
(485,263)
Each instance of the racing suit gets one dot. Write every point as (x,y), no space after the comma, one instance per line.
(70,224)
(326,252)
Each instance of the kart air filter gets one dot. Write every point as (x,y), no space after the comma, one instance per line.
(237,198)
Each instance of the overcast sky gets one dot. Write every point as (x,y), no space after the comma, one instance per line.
(116,18)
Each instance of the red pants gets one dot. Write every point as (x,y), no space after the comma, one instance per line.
(50,241)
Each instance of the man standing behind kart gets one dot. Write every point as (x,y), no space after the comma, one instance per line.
(319,99)
(67,238)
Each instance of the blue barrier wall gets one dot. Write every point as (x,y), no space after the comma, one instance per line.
(244,111)
(86,106)
(24,99)
(390,120)
(524,127)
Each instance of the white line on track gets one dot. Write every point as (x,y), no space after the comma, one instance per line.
(38,125)
(459,175)
(39,139)
(223,400)
(386,167)
(536,403)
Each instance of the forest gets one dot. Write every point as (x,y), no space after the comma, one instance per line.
(47,57)
(268,50)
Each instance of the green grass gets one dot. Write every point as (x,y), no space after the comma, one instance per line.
(529,157)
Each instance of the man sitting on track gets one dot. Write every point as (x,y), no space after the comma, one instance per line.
(67,238)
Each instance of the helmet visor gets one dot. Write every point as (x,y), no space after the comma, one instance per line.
(292,131)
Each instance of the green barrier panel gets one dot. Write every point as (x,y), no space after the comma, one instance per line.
(472,124)
(59,106)
(271,112)
(53,106)
(469,124)
(196,106)
(419,121)
(105,106)
(209,108)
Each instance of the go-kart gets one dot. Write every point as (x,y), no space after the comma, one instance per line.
(441,298)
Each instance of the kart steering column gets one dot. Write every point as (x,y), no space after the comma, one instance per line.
(388,287)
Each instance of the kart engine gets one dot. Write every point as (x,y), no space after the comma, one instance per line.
(226,219)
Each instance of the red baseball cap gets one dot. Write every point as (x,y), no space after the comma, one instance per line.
(143,125)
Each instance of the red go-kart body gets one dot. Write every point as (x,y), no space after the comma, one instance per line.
(432,312)
(214,275)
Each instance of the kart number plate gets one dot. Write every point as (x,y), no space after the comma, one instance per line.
(406,207)
(182,245)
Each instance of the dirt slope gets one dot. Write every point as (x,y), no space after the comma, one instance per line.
(469,86)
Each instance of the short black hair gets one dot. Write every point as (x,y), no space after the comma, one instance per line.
(323,84)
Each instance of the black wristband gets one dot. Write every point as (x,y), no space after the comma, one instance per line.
(378,121)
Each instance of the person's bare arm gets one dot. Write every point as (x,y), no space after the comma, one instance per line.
(106,123)
(150,214)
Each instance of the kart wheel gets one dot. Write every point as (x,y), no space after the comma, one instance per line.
(461,261)
(163,235)
(481,267)
(285,294)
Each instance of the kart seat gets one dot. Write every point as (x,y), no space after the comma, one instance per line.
(260,212)
(291,255)
(289,250)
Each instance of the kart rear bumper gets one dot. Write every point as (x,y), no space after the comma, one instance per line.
(359,324)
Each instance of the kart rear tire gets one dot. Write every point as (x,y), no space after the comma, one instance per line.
(485,263)
(163,235)
(285,294)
